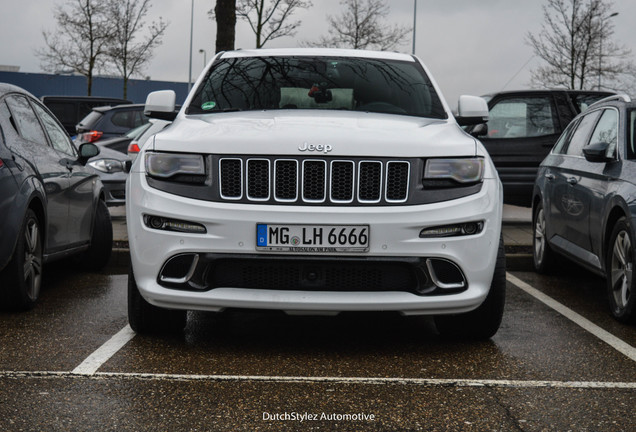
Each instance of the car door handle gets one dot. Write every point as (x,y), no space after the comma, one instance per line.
(550,176)
(572,181)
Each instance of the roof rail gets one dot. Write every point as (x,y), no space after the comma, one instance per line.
(616,97)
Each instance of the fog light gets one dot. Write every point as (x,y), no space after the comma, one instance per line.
(155,222)
(160,223)
(467,228)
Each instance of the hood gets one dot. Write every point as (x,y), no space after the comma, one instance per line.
(308,132)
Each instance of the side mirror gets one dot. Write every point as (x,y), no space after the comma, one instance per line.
(471,110)
(87,151)
(161,105)
(479,130)
(597,152)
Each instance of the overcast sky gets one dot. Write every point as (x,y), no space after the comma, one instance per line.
(470,46)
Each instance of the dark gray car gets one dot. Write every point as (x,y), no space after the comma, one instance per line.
(51,205)
(107,122)
(584,204)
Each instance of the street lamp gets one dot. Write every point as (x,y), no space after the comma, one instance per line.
(205,57)
(191,31)
(414,22)
(600,48)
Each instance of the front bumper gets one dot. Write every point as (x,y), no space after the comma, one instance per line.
(394,236)
(115,191)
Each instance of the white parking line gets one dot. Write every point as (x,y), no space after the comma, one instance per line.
(105,352)
(93,362)
(428,382)
(616,343)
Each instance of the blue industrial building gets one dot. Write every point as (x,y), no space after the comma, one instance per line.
(40,84)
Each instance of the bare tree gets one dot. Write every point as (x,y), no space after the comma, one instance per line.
(225,15)
(576,46)
(269,19)
(128,54)
(81,40)
(362,26)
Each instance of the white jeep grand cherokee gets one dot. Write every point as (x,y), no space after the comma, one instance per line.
(316,181)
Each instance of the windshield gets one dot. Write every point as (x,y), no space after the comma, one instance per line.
(351,84)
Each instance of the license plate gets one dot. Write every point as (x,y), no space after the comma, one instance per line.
(312,238)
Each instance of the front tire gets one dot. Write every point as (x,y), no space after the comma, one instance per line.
(22,278)
(542,254)
(98,254)
(145,318)
(483,322)
(621,262)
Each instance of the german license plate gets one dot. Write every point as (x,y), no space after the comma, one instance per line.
(312,238)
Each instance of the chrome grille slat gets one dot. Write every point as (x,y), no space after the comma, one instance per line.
(397,184)
(286,180)
(314,180)
(370,181)
(257,177)
(231,178)
(342,181)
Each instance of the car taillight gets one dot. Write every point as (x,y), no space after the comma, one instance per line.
(133,147)
(1,163)
(91,136)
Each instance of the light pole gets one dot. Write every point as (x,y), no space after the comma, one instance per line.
(600,48)
(414,22)
(191,31)
(205,57)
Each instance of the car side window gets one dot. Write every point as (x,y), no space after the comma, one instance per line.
(124,119)
(58,137)
(25,119)
(606,131)
(580,136)
(564,140)
(522,117)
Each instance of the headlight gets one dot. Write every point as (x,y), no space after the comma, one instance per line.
(461,170)
(166,165)
(107,165)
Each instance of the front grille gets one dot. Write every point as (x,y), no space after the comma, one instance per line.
(313,180)
(336,275)
(420,276)
(231,178)
(370,181)
(258,179)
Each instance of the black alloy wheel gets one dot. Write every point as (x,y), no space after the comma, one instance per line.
(23,275)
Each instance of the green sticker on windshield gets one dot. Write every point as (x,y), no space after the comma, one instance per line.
(208,105)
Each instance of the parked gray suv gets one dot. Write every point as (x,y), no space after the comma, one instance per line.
(584,201)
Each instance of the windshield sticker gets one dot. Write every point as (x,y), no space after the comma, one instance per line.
(208,105)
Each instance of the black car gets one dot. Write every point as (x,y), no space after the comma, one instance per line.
(584,201)
(69,110)
(522,128)
(51,205)
(107,122)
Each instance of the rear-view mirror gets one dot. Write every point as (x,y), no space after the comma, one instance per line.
(471,110)
(161,105)
(597,152)
(87,151)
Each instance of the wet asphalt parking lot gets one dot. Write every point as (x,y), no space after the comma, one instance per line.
(559,362)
